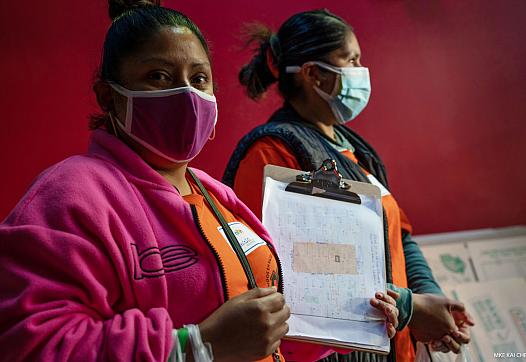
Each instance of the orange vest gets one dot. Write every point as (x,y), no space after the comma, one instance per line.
(404,345)
(261,259)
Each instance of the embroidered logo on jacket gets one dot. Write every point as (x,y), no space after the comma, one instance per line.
(155,262)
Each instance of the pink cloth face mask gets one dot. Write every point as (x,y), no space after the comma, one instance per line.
(175,124)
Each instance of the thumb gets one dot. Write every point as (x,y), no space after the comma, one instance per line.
(464,317)
(469,319)
(459,312)
(259,292)
(456,306)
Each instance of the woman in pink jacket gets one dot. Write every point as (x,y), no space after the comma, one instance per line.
(120,254)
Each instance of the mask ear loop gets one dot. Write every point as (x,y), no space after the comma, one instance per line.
(213,136)
(112,121)
(337,81)
(337,78)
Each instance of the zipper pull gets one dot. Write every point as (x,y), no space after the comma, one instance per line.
(276,357)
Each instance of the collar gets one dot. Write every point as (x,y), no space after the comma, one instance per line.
(107,147)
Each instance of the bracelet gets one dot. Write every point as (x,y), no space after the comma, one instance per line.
(176,355)
(182,335)
(202,351)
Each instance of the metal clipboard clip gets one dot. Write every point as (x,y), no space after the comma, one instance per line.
(324,182)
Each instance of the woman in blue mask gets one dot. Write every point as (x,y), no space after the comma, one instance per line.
(315,60)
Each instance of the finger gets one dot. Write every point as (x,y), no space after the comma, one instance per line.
(257,293)
(278,333)
(436,345)
(461,337)
(442,348)
(469,319)
(389,311)
(282,331)
(465,318)
(272,302)
(391,330)
(386,298)
(281,316)
(393,294)
(451,344)
(439,346)
(456,306)
(383,306)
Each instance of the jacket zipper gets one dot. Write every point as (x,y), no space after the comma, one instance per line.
(242,258)
(275,355)
(226,293)
(280,271)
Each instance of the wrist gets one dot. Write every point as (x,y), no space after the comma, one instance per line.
(418,307)
(205,331)
(211,337)
(404,304)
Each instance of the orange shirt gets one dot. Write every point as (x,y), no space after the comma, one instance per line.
(248,187)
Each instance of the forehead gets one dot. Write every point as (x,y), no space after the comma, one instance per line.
(177,44)
(349,49)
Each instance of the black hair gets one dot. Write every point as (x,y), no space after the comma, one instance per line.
(306,36)
(133,23)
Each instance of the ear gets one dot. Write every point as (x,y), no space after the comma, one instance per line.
(311,75)
(104,95)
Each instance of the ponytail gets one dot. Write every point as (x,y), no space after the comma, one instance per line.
(257,76)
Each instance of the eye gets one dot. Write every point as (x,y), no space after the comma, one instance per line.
(199,80)
(159,76)
(355,61)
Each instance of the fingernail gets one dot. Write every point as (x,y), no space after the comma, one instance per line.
(374,302)
(379,295)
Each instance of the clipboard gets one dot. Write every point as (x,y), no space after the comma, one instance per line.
(325,180)
(325,183)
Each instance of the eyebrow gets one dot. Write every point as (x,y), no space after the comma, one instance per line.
(157,60)
(200,64)
(164,61)
(351,54)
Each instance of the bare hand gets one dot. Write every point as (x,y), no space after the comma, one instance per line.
(453,342)
(248,327)
(387,304)
(435,317)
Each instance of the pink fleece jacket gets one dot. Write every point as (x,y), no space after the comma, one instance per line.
(101,259)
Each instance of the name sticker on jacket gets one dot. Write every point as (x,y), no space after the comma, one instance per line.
(248,239)
(375,182)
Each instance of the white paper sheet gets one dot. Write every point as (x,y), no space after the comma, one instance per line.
(450,263)
(499,258)
(332,256)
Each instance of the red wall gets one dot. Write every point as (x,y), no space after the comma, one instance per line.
(448,108)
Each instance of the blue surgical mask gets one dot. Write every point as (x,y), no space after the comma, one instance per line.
(355,90)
